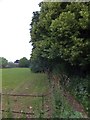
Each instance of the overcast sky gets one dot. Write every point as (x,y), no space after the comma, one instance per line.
(15,17)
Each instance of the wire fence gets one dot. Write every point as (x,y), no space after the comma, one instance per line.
(42,109)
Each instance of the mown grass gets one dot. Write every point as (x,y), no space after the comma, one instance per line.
(23,81)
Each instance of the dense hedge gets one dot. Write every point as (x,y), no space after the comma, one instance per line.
(60,32)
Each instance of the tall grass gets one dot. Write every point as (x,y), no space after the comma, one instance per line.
(62,108)
(9,112)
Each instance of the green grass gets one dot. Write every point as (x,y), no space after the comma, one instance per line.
(23,81)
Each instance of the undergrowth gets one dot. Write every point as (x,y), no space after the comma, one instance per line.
(76,83)
(79,88)
(62,109)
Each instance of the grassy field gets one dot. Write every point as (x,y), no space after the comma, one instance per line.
(23,81)
(20,79)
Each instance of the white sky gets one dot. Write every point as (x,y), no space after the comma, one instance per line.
(15,17)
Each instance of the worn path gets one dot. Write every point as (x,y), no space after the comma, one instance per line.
(74,103)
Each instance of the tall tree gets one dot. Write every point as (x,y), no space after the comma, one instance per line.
(3,62)
(24,62)
(61,32)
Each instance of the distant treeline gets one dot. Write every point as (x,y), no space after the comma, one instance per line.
(23,62)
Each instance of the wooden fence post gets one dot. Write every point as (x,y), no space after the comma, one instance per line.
(42,105)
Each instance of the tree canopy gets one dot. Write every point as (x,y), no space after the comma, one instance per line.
(3,62)
(60,32)
(24,62)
